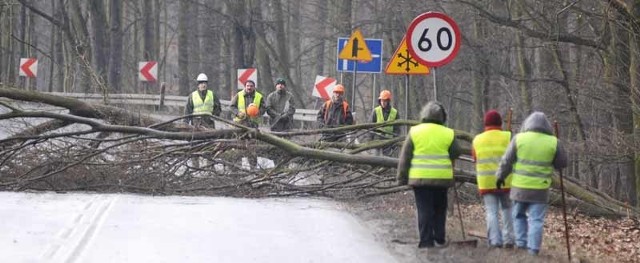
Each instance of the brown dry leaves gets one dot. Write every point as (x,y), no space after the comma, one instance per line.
(592,239)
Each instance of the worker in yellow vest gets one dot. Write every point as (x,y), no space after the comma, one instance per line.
(532,156)
(487,149)
(202,103)
(426,164)
(241,102)
(385,112)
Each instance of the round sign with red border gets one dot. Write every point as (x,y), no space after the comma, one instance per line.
(433,39)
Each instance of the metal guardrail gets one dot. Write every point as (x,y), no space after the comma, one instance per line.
(304,115)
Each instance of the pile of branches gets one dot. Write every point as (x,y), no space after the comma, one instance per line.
(63,144)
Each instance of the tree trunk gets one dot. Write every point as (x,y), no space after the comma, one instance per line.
(100,38)
(183,48)
(115,58)
(523,69)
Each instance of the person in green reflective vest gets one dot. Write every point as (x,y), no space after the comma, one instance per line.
(384,112)
(426,164)
(532,156)
(242,100)
(487,149)
(202,103)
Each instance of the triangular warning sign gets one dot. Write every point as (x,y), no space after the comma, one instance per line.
(403,63)
(356,48)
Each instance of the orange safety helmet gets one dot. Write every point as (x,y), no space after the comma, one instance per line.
(385,95)
(339,89)
(252,110)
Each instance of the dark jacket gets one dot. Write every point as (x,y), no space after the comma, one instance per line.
(333,115)
(537,122)
(280,108)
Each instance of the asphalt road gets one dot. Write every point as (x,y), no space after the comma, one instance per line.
(86,227)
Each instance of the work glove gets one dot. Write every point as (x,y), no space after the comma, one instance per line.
(499,183)
(241,115)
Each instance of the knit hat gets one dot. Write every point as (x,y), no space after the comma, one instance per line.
(492,118)
(281,81)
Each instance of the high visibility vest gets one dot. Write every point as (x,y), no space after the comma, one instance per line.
(489,147)
(431,144)
(242,107)
(201,107)
(534,166)
(393,114)
(327,106)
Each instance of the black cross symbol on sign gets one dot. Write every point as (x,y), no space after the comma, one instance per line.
(407,60)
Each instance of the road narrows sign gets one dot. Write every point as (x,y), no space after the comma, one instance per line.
(403,63)
(323,87)
(356,48)
(148,71)
(247,74)
(28,67)
(374,66)
(433,39)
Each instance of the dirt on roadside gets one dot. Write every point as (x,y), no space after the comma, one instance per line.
(392,219)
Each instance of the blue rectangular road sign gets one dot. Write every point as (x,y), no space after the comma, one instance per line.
(373,66)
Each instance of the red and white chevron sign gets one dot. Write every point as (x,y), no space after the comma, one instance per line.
(247,74)
(28,67)
(323,87)
(148,71)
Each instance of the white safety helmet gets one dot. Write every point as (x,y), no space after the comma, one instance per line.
(202,78)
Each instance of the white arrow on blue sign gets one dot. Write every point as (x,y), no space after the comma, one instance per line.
(373,66)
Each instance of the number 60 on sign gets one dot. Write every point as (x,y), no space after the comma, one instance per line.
(433,39)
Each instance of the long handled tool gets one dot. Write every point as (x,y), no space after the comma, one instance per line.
(464,241)
(564,206)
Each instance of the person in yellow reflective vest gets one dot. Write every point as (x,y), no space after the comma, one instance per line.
(384,112)
(242,100)
(487,149)
(202,103)
(426,164)
(532,156)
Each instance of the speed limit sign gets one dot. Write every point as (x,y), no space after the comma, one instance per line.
(433,39)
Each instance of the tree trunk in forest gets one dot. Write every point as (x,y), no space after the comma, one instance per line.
(617,78)
(263,59)
(149,38)
(81,53)
(295,48)
(237,47)
(523,69)
(100,38)
(115,58)
(634,81)
(480,102)
(8,43)
(183,48)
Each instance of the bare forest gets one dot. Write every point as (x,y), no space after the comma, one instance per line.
(577,61)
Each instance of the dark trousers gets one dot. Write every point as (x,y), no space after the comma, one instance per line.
(431,205)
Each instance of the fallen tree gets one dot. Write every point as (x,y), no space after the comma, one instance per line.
(84,146)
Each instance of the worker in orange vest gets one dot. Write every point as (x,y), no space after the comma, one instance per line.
(334,113)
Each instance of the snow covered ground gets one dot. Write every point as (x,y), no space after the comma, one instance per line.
(90,227)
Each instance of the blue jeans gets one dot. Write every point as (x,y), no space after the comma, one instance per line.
(493,203)
(528,220)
